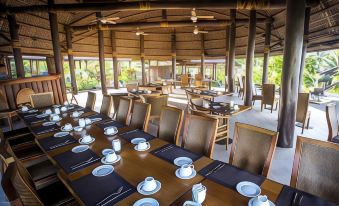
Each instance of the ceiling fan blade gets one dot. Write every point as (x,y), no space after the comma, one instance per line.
(110,22)
(144,34)
(95,20)
(112,18)
(203,32)
(205,17)
(193,13)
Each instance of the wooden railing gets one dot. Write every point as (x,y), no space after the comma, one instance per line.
(51,83)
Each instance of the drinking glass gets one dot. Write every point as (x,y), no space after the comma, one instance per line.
(116,145)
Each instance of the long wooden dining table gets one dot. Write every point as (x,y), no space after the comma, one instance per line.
(135,166)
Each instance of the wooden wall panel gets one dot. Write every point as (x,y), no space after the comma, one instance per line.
(35,87)
(55,92)
(41,90)
(61,100)
(16,89)
(10,96)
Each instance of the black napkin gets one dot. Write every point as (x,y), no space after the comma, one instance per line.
(136,133)
(110,123)
(50,143)
(103,117)
(287,194)
(68,159)
(92,189)
(169,154)
(32,119)
(44,129)
(229,176)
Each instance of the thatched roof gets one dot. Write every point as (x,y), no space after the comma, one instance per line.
(35,34)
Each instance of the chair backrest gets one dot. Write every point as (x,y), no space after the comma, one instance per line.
(124,110)
(184,79)
(253,148)
(7,163)
(106,105)
(316,168)
(22,96)
(170,124)
(332,121)
(198,80)
(140,115)
(156,102)
(40,100)
(302,107)
(268,93)
(241,82)
(91,97)
(116,100)
(200,133)
(166,89)
(130,87)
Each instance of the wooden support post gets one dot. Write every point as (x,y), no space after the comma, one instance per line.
(50,65)
(71,59)
(295,14)
(101,55)
(227,48)
(250,58)
(174,57)
(304,49)
(115,61)
(214,71)
(268,29)
(8,67)
(231,56)
(15,42)
(202,65)
(142,59)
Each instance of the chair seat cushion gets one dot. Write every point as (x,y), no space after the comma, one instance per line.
(41,170)
(336,139)
(55,194)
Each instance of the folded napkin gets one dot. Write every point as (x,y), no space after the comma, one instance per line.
(93,190)
(110,123)
(136,133)
(50,143)
(228,175)
(32,119)
(287,195)
(103,117)
(69,160)
(169,152)
(44,129)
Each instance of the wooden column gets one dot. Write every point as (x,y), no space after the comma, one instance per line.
(174,56)
(304,49)
(101,55)
(50,65)
(202,65)
(214,72)
(266,50)
(15,43)
(295,14)
(227,48)
(71,59)
(115,60)
(250,58)
(142,59)
(231,56)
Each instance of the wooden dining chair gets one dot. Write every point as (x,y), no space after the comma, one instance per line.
(332,123)
(241,82)
(130,87)
(316,168)
(7,164)
(140,115)
(116,99)
(5,112)
(253,148)
(198,80)
(303,114)
(199,134)
(23,97)
(90,103)
(41,100)
(184,81)
(269,98)
(124,110)
(256,96)
(170,124)
(190,96)
(106,105)
(157,103)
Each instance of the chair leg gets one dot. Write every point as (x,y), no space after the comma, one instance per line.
(308,122)
(226,143)
(302,130)
(262,106)
(272,108)
(10,123)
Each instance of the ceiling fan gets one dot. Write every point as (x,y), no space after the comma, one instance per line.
(197,31)
(106,20)
(139,32)
(195,18)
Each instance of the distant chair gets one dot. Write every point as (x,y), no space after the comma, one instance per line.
(269,98)
(184,81)
(5,112)
(106,105)
(303,115)
(140,115)
(23,96)
(332,123)
(198,80)
(116,99)
(241,82)
(253,148)
(132,86)
(316,168)
(170,124)
(91,98)
(199,134)
(41,100)
(190,95)
(124,110)
(256,96)
(157,103)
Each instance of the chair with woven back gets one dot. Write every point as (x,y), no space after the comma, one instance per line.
(132,86)
(23,97)
(253,148)
(256,96)
(332,123)
(41,100)
(140,115)
(170,124)
(199,135)
(124,110)
(269,98)
(303,114)
(106,105)
(184,81)
(198,80)
(5,112)
(315,168)
(156,102)
(90,103)
(190,95)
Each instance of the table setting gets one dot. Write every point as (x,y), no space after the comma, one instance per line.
(51,143)
(128,136)
(110,123)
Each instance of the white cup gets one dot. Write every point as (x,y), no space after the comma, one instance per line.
(149,92)
(261,200)
(68,126)
(111,157)
(199,193)
(48,111)
(142,145)
(82,122)
(231,104)
(110,130)
(116,145)
(88,121)
(24,108)
(56,110)
(236,107)
(186,170)
(134,90)
(149,184)
(63,109)
(54,117)
(75,114)
(86,138)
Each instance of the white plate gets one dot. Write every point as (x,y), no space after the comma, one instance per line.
(136,148)
(56,120)
(146,202)
(148,192)
(57,105)
(180,161)
(248,189)
(185,178)
(191,203)
(103,160)
(45,124)
(32,111)
(80,148)
(137,140)
(61,134)
(40,116)
(66,130)
(81,142)
(107,151)
(96,119)
(114,133)
(103,170)
(78,128)
(251,201)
